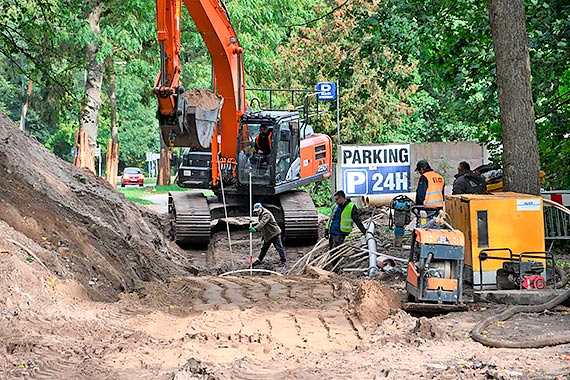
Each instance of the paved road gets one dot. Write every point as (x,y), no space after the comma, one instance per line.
(160,202)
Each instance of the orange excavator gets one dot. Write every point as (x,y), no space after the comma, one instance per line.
(219,133)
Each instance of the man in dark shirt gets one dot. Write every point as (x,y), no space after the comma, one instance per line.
(263,141)
(468,182)
(262,146)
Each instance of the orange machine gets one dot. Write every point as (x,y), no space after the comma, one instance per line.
(221,154)
(499,228)
(435,268)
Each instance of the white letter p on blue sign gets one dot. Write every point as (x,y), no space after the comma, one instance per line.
(326,91)
(356,182)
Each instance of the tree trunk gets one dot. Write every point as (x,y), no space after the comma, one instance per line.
(25,107)
(164,166)
(112,162)
(521,167)
(89,119)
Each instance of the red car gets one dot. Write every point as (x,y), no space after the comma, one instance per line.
(132,176)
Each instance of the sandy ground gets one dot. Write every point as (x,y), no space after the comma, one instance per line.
(260,327)
(91,289)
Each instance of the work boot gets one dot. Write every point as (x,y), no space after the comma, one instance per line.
(256,263)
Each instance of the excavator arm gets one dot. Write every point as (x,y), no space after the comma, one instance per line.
(168,28)
(213,24)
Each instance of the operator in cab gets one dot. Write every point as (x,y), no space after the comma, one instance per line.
(263,141)
(263,144)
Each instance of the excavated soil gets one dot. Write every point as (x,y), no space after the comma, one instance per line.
(91,289)
(202,98)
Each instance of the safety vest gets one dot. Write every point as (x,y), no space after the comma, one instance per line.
(346,221)
(434,192)
(264,144)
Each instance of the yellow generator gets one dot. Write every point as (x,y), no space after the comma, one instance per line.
(504,239)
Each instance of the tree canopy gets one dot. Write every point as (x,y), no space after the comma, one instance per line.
(407,71)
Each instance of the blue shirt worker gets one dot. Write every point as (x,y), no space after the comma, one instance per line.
(270,233)
(343,216)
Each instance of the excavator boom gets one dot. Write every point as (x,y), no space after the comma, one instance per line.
(213,24)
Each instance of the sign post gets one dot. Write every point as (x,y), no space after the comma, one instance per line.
(327,91)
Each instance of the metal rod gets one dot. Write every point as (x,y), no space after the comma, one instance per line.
(251,272)
(250,223)
(338,113)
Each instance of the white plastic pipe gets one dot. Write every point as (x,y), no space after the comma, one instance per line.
(372,268)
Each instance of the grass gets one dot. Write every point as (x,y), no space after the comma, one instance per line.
(137,194)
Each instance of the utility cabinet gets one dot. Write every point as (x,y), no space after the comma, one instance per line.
(498,228)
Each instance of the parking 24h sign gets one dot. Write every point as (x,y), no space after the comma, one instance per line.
(375,169)
(326,91)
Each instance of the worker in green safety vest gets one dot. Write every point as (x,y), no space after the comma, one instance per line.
(343,216)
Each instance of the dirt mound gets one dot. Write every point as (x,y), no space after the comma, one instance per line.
(24,286)
(195,370)
(426,329)
(373,302)
(89,232)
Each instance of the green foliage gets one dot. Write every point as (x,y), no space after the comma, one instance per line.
(377,82)
(263,29)
(407,71)
(61,142)
(320,192)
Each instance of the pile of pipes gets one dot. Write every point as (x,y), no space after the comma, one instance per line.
(355,255)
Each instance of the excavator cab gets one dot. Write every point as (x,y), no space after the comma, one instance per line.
(297,156)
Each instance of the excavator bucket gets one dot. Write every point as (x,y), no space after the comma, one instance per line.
(199,112)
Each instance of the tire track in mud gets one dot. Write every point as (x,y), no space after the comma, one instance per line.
(291,312)
(186,316)
(253,369)
(62,352)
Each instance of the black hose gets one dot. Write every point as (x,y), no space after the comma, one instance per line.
(530,343)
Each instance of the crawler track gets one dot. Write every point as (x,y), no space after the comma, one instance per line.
(190,215)
(300,217)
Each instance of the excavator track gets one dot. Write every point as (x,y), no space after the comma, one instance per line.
(300,218)
(190,216)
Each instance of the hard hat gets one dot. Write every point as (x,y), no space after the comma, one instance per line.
(256,207)
(422,164)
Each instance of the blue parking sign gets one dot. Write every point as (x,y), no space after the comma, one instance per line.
(375,169)
(327,91)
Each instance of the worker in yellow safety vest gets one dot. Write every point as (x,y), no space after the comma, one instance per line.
(343,216)
(430,191)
